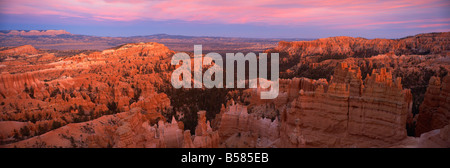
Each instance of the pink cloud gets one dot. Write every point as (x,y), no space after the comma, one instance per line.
(344,14)
(432,25)
(417,23)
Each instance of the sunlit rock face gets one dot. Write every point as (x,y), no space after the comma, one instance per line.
(14,84)
(44,94)
(344,112)
(18,51)
(348,112)
(434,43)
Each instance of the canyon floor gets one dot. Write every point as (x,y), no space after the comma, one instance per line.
(339,92)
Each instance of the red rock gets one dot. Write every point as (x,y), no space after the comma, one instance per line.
(346,112)
(435,110)
(435,43)
(236,127)
(23,51)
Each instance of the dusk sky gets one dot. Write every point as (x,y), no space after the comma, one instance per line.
(230,18)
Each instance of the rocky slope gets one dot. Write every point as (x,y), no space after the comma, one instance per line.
(131,129)
(48,94)
(21,50)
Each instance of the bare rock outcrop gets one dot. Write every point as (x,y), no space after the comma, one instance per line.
(205,137)
(348,112)
(131,129)
(149,49)
(434,43)
(435,109)
(20,50)
(439,138)
(237,128)
(135,131)
(13,84)
(188,140)
(171,134)
(344,112)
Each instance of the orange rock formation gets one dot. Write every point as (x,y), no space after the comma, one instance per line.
(435,109)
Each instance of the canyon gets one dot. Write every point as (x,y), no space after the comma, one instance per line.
(338,92)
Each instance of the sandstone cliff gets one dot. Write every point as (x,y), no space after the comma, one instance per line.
(349,112)
(435,109)
(344,112)
(238,129)
(431,43)
(13,84)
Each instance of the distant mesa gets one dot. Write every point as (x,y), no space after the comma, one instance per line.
(343,46)
(33,32)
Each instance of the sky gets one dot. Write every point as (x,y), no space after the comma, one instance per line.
(230,18)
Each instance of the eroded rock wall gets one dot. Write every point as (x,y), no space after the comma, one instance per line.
(435,109)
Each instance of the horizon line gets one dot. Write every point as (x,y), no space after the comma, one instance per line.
(207,36)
